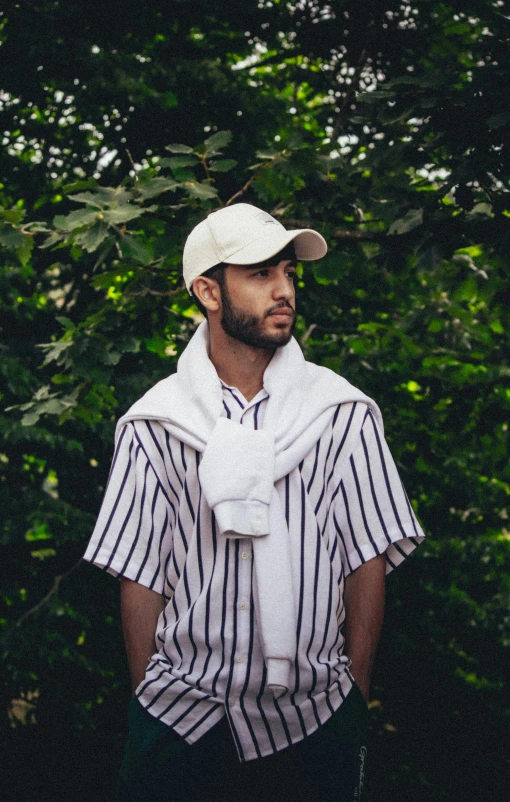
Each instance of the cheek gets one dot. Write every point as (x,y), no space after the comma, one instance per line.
(251,299)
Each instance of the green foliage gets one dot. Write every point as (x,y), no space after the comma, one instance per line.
(382,126)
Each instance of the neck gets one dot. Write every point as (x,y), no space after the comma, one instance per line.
(237,364)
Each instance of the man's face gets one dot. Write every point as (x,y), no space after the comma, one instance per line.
(258,301)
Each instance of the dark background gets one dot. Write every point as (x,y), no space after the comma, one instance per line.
(385,127)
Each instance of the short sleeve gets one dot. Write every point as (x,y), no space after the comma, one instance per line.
(133,534)
(372,514)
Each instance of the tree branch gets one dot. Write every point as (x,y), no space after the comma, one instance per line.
(241,191)
(341,233)
(148,291)
(474,228)
(52,592)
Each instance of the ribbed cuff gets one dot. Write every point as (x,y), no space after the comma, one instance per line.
(242,518)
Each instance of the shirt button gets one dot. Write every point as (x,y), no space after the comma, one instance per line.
(243,605)
(240,658)
(245,555)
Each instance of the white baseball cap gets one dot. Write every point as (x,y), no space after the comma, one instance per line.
(242,234)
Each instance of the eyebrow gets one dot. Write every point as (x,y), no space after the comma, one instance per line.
(269,263)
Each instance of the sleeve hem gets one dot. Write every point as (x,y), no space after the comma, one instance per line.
(116,570)
(395,551)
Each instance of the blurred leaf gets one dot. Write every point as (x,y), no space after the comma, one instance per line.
(179,148)
(155,186)
(499,120)
(222,165)
(134,249)
(75,220)
(180,161)
(217,142)
(412,219)
(124,213)
(202,191)
(91,238)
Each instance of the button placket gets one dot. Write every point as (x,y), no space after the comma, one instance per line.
(243,621)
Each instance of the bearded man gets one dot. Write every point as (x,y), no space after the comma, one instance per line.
(252,512)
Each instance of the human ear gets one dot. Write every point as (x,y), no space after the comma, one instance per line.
(207,290)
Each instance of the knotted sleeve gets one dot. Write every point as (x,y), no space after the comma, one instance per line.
(237,478)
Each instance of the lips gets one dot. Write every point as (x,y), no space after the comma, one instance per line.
(282,311)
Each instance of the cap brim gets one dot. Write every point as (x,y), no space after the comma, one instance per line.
(309,245)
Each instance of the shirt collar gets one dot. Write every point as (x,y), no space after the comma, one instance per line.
(230,391)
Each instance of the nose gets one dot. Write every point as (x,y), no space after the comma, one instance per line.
(283,286)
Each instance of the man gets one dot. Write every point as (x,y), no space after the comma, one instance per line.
(252,511)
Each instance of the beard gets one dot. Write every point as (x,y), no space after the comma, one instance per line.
(248,329)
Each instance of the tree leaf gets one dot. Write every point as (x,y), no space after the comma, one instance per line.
(267,154)
(498,120)
(92,237)
(134,249)
(376,96)
(11,238)
(124,213)
(90,198)
(412,219)
(179,161)
(203,191)
(217,142)
(222,165)
(155,186)
(78,219)
(179,148)
(30,419)
(13,216)
(66,322)
(103,196)
(24,251)
(53,238)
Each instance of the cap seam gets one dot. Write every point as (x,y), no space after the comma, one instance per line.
(217,250)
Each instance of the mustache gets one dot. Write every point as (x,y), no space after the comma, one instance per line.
(281,305)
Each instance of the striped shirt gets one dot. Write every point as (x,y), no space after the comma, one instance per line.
(155,528)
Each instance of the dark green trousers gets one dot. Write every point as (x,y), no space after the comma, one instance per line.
(328,766)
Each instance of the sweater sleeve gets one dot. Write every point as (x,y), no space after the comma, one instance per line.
(134,530)
(372,513)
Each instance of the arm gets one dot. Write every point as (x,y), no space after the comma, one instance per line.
(364,610)
(140,609)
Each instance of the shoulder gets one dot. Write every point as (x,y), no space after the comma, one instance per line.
(326,383)
(145,434)
(153,403)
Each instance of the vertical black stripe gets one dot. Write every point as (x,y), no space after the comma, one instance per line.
(372,488)
(117,451)
(315,463)
(128,470)
(201,720)
(386,477)
(344,437)
(361,504)
(151,536)
(169,448)
(208,605)
(223,618)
